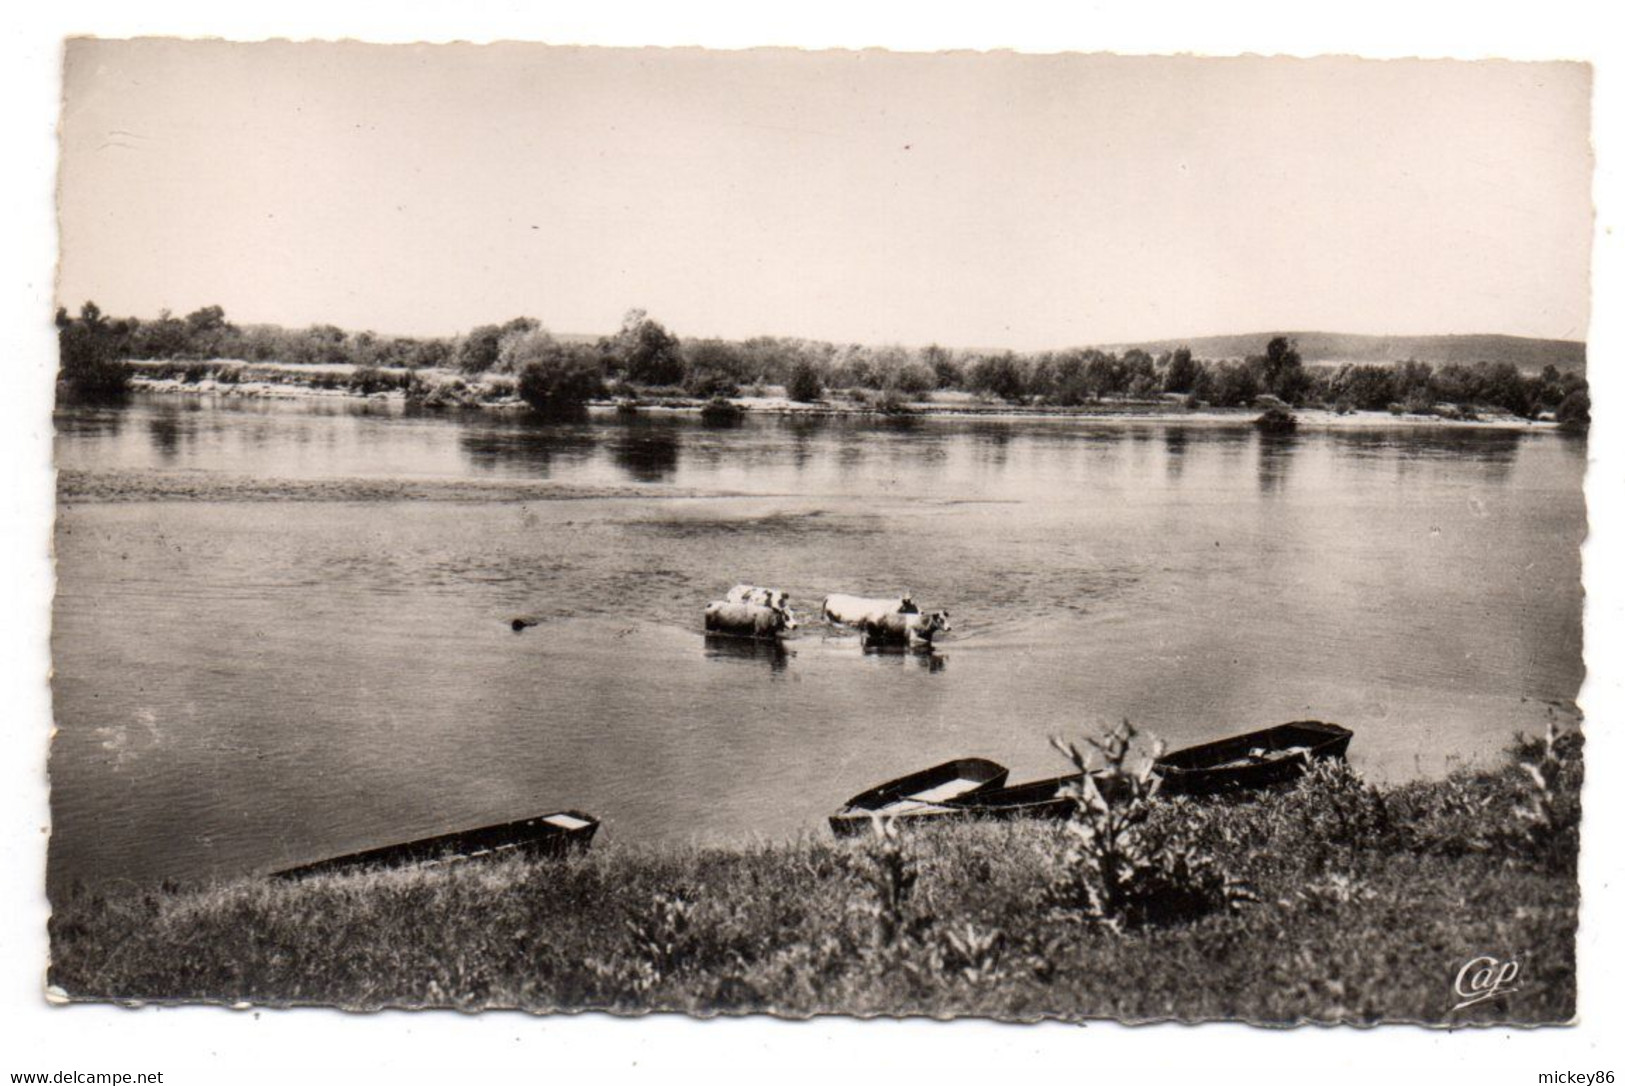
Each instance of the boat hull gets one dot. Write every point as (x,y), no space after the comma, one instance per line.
(919,795)
(1252,761)
(549,835)
(1045,800)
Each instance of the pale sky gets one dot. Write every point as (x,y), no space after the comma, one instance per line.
(991,200)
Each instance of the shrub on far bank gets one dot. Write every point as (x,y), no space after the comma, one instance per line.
(998,375)
(893,402)
(1574,413)
(90,348)
(560,377)
(440,391)
(719,411)
(368,380)
(1276,420)
(804,385)
(497,389)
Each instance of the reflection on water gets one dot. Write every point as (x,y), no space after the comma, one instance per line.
(761,651)
(926,657)
(1173,451)
(525,445)
(1432,443)
(1274,460)
(241,684)
(90,421)
(647,451)
(166,431)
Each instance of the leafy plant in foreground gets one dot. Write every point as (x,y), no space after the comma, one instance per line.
(1113,871)
(890,874)
(1547,830)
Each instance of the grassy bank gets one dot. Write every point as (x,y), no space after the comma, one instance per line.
(1332,901)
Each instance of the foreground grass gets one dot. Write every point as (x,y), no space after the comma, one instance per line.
(1366,904)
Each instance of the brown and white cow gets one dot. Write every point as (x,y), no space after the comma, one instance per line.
(904,629)
(767,597)
(747,619)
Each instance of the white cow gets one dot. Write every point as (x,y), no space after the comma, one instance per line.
(853,610)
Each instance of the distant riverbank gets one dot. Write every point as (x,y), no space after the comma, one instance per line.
(442,389)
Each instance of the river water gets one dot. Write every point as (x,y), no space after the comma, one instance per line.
(282,629)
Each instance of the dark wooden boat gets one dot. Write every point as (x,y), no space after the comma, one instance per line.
(546,835)
(1258,759)
(1047,799)
(917,794)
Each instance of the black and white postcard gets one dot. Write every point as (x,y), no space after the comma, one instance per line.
(1018,535)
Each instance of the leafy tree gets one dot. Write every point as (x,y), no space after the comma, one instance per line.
(1574,413)
(517,348)
(1064,378)
(851,367)
(1367,387)
(1413,383)
(1457,383)
(712,368)
(1182,372)
(949,374)
(519,342)
(206,333)
(91,355)
(203,321)
(166,337)
(429,354)
(1506,387)
(646,352)
(1102,373)
(477,351)
(1281,372)
(1136,365)
(912,379)
(323,344)
(1233,385)
(998,375)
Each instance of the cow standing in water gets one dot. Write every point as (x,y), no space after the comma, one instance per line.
(904,629)
(765,597)
(747,620)
(855,610)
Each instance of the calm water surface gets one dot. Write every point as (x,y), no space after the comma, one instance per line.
(245,684)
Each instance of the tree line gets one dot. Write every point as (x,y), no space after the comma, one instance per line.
(644,356)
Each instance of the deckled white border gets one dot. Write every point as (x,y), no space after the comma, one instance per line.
(201,1045)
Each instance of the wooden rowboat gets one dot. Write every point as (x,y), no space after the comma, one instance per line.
(1047,799)
(919,794)
(546,835)
(1258,759)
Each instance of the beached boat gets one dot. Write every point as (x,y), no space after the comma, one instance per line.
(1047,799)
(1255,760)
(546,835)
(924,793)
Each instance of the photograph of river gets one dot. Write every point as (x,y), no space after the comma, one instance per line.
(889,619)
(1421,586)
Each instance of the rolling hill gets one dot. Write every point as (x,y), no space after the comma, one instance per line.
(1323,347)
